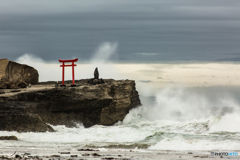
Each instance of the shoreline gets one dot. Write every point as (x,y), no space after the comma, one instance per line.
(31,152)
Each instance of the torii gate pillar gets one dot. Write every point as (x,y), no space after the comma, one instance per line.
(63,65)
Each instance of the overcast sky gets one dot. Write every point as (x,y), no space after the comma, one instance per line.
(144,31)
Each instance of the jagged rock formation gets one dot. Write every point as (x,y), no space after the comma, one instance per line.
(14,75)
(32,108)
(96,79)
(96,74)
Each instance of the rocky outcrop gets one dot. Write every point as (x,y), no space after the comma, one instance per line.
(96,79)
(14,75)
(33,108)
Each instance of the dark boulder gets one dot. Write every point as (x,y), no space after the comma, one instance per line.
(14,73)
(21,73)
(8,138)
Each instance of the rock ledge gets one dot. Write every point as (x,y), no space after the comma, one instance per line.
(32,109)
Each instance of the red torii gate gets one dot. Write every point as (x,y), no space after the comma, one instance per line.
(63,65)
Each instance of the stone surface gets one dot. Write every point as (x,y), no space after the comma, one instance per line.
(3,67)
(104,104)
(95,81)
(19,74)
(3,85)
(96,74)
(8,138)
(22,84)
(13,86)
(15,117)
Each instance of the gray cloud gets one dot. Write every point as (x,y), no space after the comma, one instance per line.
(145,31)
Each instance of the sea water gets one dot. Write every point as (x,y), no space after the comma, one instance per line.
(175,118)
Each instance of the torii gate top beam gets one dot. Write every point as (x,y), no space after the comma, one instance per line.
(69,60)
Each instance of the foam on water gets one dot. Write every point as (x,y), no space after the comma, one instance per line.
(227,123)
(179,143)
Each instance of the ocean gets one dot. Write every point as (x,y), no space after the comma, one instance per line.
(175,118)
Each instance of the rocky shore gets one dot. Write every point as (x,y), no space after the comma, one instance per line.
(106,154)
(32,109)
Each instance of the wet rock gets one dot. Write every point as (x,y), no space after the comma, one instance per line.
(107,158)
(27,153)
(96,155)
(16,119)
(74,155)
(87,150)
(55,156)
(18,156)
(64,152)
(8,138)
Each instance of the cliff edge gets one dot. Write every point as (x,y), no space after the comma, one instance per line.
(32,109)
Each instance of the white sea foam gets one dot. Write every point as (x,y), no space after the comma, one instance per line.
(179,143)
(227,123)
(84,135)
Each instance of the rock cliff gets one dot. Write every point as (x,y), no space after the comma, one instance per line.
(32,109)
(14,75)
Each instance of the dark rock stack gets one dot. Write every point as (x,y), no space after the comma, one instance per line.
(96,79)
(14,75)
